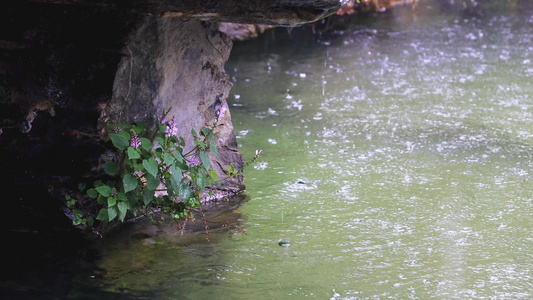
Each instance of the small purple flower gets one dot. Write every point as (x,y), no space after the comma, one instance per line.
(194,160)
(172,128)
(222,110)
(114,192)
(117,129)
(135,142)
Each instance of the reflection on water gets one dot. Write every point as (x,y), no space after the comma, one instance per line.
(397,159)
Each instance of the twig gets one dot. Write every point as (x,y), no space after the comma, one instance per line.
(205,223)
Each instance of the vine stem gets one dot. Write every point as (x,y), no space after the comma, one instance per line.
(206,226)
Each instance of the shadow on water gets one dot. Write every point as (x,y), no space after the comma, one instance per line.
(39,266)
(141,259)
(59,265)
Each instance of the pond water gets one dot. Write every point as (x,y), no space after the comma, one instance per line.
(397,161)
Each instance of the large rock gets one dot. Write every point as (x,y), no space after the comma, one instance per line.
(178,64)
(275,12)
(68,67)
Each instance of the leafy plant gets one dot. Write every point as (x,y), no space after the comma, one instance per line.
(154,173)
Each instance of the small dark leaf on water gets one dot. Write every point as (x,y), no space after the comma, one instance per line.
(284,243)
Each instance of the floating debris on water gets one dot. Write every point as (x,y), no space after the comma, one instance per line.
(284,243)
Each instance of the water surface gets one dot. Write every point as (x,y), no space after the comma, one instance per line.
(397,160)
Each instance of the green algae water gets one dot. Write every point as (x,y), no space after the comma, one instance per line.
(397,161)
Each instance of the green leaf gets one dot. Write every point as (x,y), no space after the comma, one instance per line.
(174,183)
(129,182)
(92,193)
(162,127)
(102,215)
(133,153)
(205,160)
(182,165)
(122,210)
(125,134)
(122,197)
(184,191)
(78,217)
(159,152)
(201,181)
(111,201)
(169,184)
(179,154)
(77,213)
(160,140)
(98,183)
(168,159)
(193,132)
(136,129)
(111,213)
(110,168)
(141,125)
(206,131)
(213,174)
(176,173)
(135,166)
(119,141)
(147,144)
(104,190)
(230,170)
(151,182)
(213,146)
(191,202)
(148,196)
(151,166)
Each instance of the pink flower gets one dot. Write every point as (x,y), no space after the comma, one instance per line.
(172,129)
(194,160)
(222,111)
(135,142)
